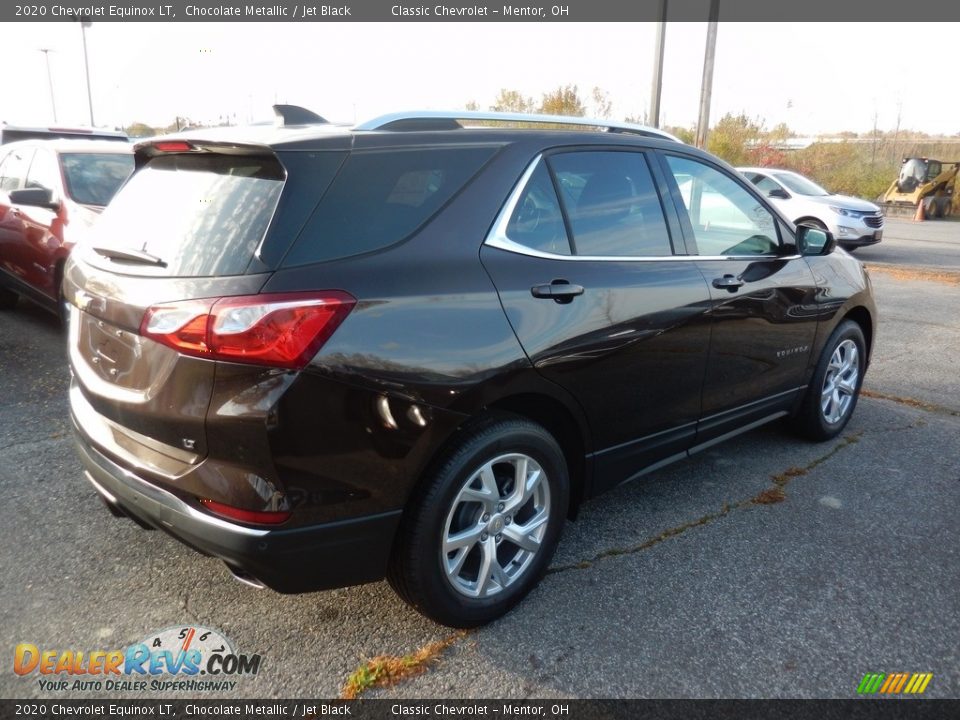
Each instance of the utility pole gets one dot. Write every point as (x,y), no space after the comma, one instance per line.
(84,24)
(706,85)
(53,103)
(657,84)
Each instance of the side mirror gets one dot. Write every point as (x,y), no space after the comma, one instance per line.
(779,193)
(814,241)
(36,197)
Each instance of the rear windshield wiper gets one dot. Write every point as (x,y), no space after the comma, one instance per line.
(129,255)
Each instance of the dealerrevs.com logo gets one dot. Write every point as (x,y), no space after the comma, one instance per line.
(188,659)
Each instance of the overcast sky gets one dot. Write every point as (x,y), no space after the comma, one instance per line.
(816,77)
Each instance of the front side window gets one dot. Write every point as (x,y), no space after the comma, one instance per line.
(44,172)
(725,218)
(763,183)
(14,168)
(800,185)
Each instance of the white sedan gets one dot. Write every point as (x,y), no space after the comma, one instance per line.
(853,222)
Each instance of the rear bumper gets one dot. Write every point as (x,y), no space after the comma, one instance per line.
(319,557)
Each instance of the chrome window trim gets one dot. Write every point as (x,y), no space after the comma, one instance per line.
(497,237)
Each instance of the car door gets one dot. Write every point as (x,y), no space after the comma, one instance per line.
(13,172)
(763,297)
(43,227)
(591,274)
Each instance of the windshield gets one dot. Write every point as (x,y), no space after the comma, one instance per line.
(94,178)
(201,215)
(800,185)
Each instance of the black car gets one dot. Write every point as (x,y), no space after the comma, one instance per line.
(413,348)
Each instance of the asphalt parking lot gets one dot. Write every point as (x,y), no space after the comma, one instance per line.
(677,586)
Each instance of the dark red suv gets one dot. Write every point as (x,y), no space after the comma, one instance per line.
(51,191)
(412,348)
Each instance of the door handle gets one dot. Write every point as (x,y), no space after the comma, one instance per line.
(728,282)
(560,291)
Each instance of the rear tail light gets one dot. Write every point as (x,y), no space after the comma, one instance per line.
(256,517)
(280,330)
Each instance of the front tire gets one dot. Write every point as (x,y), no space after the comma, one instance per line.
(834,389)
(485,526)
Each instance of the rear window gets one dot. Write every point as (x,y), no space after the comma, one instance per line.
(381,197)
(201,215)
(94,178)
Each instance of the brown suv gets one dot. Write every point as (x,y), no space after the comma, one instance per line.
(411,348)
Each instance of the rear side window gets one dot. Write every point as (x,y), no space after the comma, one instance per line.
(607,200)
(537,222)
(380,198)
(94,178)
(201,215)
(613,206)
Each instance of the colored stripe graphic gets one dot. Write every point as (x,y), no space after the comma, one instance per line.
(894,683)
(903,680)
(870,683)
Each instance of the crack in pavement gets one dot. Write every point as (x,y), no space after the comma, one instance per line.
(774,494)
(386,670)
(910,402)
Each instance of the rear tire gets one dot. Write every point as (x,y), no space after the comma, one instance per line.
(63,306)
(8,299)
(834,389)
(476,540)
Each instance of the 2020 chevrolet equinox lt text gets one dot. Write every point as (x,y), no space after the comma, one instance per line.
(412,348)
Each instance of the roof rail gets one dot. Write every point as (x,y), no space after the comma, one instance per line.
(448,120)
(295,115)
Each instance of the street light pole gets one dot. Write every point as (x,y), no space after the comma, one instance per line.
(706,85)
(657,85)
(86,66)
(53,103)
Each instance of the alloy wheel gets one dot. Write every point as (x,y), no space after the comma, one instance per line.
(496,525)
(840,382)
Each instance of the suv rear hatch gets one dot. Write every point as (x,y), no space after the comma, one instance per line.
(189,224)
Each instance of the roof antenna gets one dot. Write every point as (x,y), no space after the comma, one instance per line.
(295,115)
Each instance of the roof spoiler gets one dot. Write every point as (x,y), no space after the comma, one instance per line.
(295,115)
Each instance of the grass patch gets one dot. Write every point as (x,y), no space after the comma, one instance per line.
(385,670)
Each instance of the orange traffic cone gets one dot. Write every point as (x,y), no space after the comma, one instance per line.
(920,216)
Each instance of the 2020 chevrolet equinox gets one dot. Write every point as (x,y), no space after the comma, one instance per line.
(412,348)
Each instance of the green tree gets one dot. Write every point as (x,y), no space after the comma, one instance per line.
(513,101)
(733,136)
(139,129)
(563,101)
(686,135)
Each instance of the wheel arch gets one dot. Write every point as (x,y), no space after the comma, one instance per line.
(862,317)
(557,419)
(807,218)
